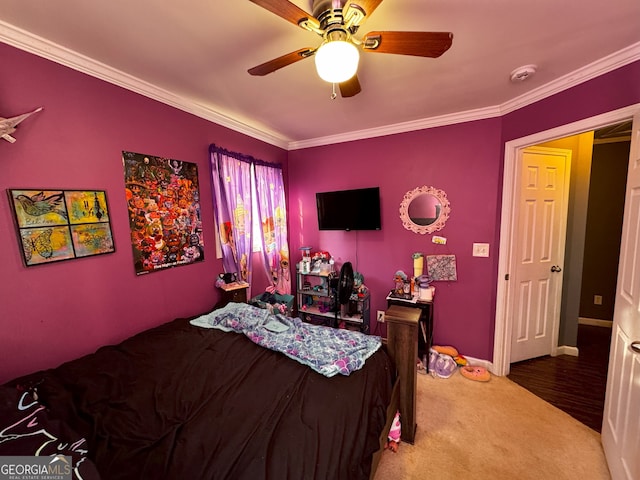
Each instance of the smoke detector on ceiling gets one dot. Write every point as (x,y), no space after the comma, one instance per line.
(523,73)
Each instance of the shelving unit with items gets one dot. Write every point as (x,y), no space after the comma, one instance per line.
(317,304)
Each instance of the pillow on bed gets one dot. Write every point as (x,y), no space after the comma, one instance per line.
(27,430)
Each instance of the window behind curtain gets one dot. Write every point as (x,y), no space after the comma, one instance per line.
(249,195)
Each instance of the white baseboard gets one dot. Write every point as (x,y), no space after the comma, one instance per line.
(566,350)
(595,322)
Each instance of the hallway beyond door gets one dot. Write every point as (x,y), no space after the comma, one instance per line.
(575,385)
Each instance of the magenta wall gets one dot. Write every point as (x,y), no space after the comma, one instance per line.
(460,159)
(612,91)
(466,161)
(52,313)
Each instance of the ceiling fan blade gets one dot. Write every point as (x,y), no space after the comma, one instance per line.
(283,61)
(367,6)
(357,11)
(420,44)
(285,9)
(351,87)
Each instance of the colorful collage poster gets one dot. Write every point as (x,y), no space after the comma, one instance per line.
(164,212)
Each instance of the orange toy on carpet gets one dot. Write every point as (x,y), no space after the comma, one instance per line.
(479,374)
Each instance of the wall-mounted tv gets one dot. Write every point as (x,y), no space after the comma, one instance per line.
(349,209)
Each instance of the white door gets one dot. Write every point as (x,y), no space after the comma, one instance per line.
(621,422)
(539,253)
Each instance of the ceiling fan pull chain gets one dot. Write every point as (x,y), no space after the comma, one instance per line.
(333,91)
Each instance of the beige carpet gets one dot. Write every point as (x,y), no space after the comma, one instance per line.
(496,430)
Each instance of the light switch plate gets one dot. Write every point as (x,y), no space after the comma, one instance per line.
(480,249)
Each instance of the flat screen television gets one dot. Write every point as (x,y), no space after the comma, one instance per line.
(349,209)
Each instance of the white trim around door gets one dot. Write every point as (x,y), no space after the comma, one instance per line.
(503,327)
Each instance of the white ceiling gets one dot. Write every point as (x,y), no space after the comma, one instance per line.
(194,54)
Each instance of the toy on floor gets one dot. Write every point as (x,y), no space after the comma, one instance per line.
(393,439)
(479,374)
(460,360)
(442,364)
(446,350)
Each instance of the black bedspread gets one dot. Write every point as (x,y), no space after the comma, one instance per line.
(180,402)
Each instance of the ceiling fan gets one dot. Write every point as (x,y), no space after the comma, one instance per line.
(337,22)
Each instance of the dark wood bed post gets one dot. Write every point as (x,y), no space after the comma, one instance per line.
(402,345)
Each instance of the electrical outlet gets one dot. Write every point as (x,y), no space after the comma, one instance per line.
(380,316)
(597,299)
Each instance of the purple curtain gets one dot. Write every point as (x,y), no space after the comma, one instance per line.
(231,181)
(272,211)
(232,177)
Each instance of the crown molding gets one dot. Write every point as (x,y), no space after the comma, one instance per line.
(410,126)
(41,47)
(607,64)
(44,48)
(604,65)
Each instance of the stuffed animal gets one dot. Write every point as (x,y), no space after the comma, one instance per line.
(446,350)
(460,360)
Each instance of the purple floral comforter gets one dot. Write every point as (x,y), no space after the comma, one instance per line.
(326,350)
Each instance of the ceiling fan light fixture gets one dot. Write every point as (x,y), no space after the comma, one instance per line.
(337,61)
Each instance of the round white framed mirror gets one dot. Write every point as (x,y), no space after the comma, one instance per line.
(424,210)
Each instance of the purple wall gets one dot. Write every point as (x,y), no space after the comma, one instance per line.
(466,161)
(460,159)
(52,313)
(612,91)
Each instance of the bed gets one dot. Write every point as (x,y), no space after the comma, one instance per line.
(187,400)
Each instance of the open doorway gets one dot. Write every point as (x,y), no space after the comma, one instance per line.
(574,380)
(501,363)
(575,385)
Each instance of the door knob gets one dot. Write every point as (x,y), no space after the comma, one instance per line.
(635,346)
(556,268)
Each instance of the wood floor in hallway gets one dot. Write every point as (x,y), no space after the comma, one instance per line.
(575,385)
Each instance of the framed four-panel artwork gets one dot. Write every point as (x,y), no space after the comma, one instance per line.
(55,225)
